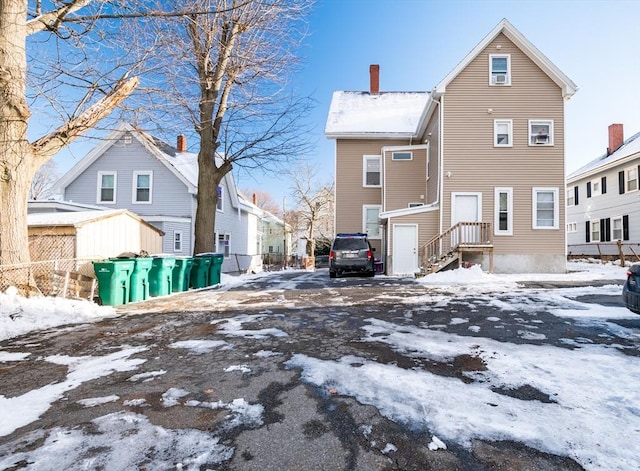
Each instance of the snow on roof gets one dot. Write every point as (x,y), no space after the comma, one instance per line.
(71,218)
(629,147)
(386,113)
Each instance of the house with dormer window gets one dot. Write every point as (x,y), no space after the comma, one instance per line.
(471,171)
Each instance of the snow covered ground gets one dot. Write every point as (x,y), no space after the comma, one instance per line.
(592,413)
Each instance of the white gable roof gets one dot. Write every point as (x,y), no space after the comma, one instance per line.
(630,147)
(565,83)
(383,115)
(80,218)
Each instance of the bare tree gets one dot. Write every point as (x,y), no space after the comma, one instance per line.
(43,181)
(19,158)
(264,200)
(225,74)
(315,203)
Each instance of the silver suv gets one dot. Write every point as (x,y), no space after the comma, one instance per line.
(351,253)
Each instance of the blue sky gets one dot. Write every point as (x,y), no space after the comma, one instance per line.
(418,42)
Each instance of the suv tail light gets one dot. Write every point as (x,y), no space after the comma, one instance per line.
(369,254)
(332,255)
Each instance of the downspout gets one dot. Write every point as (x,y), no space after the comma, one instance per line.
(440,194)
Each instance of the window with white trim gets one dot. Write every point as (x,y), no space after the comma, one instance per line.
(415,205)
(545,208)
(107,187)
(371,176)
(223,244)
(499,69)
(632,178)
(370,224)
(540,132)
(177,241)
(402,156)
(220,202)
(596,188)
(617,232)
(572,227)
(503,133)
(503,215)
(142,187)
(572,196)
(595,231)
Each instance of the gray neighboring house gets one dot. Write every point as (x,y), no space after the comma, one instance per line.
(132,170)
(603,200)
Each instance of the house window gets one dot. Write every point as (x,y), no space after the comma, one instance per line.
(617,232)
(632,179)
(540,132)
(142,187)
(595,231)
(370,224)
(572,227)
(502,133)
(415,205)
(545,208)
(499,69)
(107,187)
(572,196)
(177,241)
(503,217)
(220,202)
(223,245)
(371,171)
(402,156)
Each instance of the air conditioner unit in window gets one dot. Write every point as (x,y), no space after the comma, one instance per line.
(500,79)
(541,139)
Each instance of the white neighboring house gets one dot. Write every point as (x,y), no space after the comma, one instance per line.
(603,200)
(133,170)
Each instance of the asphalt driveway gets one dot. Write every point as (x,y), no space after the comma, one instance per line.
(234,367)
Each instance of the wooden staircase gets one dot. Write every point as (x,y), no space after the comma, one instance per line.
(449,247)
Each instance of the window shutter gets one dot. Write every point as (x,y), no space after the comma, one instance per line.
(604,185)
(602,235)
(625,227)
(607,230)
(588,189)
(621,182)
(588,231)
(575,194)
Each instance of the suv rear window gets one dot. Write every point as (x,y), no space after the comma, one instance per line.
(350,244)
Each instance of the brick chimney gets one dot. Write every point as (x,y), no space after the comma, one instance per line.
(374,79)
(616,138)
(181,143)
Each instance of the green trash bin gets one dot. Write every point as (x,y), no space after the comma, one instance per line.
(161,276)
(216,268)
(200,271)
(182,274)
(140,278)
(113,280)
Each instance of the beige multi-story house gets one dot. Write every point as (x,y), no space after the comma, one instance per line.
(472,171)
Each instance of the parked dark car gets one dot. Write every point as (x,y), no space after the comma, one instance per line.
(631,289)
(351,253)
(322,261)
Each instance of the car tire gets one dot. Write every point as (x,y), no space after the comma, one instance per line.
(371,274)
(332,274)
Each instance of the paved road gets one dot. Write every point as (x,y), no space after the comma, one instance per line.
(213,347)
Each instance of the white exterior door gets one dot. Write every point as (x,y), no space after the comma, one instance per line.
(405,249)
(465,207)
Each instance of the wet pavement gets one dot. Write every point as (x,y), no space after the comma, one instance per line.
(255,329)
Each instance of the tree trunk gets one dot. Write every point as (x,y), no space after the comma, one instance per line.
(17,165)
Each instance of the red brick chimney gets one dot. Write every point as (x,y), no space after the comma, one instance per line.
(374,79)
(181,143)
(616,138)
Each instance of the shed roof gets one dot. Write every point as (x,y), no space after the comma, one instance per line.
(81,218)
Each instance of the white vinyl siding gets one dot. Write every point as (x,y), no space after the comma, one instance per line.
(107,187)
(503,217)
(370,224)
(545,208)
(371,169)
